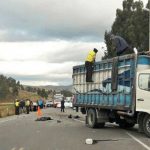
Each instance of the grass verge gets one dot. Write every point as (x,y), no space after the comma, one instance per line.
(6,110)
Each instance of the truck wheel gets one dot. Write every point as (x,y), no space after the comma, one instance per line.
(91,118)
(140,122)
(146,125)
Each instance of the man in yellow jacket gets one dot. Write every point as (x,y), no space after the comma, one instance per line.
(17,107)
(89,62)
(27,103)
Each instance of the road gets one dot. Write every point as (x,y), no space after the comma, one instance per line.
(24,133)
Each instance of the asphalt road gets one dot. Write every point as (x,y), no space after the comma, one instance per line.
(24,133)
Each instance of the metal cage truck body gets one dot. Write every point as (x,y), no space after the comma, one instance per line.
(120,92)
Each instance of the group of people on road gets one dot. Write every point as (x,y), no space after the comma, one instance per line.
(22,106)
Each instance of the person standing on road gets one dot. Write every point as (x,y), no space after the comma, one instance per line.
(89,64)
(17,107)
(27,105)
(21,105)
(62,105)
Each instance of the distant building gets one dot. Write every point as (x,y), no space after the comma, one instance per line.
(69,99)
(58,96)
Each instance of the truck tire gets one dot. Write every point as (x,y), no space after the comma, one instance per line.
(140,122)
(91,118)
(146,125)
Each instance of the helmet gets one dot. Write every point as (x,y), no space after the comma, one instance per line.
(95,50)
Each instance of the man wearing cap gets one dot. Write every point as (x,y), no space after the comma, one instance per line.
(89,64)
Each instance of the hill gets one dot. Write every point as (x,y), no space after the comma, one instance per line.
(51,87)
(25,94)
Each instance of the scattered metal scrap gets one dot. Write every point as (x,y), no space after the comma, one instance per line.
(91,141)
(75,117)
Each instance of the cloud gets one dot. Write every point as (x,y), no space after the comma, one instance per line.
(52,51)
(56,19)
(41,40)
(44,62)
(38,73)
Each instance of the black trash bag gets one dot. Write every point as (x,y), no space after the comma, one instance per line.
(76,117)
(58,121)
(70,116)
(43,119)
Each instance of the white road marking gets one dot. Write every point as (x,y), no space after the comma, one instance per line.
(13,148)
(137,140)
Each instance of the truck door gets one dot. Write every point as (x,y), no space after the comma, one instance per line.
(143,91)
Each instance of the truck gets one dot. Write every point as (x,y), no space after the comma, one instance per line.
(119,94)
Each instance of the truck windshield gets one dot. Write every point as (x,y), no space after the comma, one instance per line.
(144,81)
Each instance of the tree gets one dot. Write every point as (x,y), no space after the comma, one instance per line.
(8,87)
(66,93)
(42,93)
(132,23)
(4,87)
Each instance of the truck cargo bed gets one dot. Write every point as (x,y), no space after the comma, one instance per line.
(112,87)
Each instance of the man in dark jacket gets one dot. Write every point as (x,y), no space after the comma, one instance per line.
(120,45)
(62,105)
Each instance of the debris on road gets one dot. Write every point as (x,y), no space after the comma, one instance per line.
(76,117)
(89,141)
(43,119)
(58,121)
(70,116)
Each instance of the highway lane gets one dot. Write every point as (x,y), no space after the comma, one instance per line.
(24,133)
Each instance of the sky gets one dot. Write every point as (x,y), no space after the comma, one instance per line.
(41,40)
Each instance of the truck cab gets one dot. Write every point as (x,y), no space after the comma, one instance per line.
(143,91)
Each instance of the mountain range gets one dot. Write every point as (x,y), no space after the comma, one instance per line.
(52,87)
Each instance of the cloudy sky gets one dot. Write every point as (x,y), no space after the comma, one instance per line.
(41,40)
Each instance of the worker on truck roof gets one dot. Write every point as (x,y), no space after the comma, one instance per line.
(89,64)
(120,45)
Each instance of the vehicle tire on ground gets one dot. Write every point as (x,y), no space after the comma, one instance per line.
(91,118)
(140,122)
(146,125)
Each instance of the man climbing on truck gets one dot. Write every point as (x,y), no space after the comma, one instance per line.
(120,45)
(89,64)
